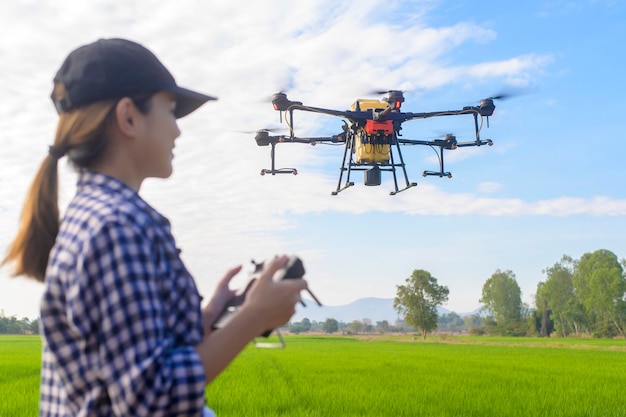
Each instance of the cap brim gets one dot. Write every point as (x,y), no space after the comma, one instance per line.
(187,101)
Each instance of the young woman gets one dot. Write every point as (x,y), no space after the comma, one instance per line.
(124,331)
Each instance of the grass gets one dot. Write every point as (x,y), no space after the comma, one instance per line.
(390,376)
(20,358)
(454,377)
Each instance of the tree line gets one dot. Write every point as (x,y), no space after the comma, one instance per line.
(13,325)
(583,297)
(579,297)
(355,327)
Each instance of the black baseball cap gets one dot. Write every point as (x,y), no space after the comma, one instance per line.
(115,68)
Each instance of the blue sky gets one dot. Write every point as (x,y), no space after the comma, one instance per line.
(552,184)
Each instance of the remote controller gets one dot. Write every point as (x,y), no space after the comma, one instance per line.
(293,269)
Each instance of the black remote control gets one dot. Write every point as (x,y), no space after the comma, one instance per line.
(294,269)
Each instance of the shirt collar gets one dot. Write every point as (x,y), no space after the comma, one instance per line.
(112,185)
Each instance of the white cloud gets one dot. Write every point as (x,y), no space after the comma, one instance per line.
(489,187)
(516,71)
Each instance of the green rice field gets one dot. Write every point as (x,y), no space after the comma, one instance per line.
(20,358)
(389,376)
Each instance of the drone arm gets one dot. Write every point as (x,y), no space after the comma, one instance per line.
(312,140)
(348,114)
(330,112)
(446,144)
(479,142)
(263,139)
(417,142)
(426,115)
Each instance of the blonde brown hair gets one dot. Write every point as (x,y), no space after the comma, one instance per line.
(81,135)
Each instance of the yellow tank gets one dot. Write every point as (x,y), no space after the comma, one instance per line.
(367,104)
(368,153)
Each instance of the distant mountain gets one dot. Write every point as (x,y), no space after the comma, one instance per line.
(375,309)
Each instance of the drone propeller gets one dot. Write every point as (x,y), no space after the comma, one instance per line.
(268,99)
(381,92)
(503,96)
(268,130)
(509,93)
(395,98)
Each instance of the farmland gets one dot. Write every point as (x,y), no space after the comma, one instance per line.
(389,376)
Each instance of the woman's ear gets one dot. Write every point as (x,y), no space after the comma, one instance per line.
(126,117)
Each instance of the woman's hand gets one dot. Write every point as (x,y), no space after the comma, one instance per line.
(221,296)
(269,304)
(274,302)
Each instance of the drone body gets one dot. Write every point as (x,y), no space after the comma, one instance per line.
(373,144)
(371,137)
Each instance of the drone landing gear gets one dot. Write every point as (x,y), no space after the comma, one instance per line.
(439,174)
(413,184)
(347,147)
(273,170)
(340,189)
(372,175)
(279,171)
(406,177)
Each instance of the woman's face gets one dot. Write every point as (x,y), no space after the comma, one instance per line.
(160,131)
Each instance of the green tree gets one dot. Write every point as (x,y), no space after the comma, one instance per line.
(502,299)
(306,324)
(367,325)
(34,326)
(383,326)
(355,326)
(402,326)
(418,300)
(546,325)
(556,298)
(472,321)
(450,322)
(600,287)
(11,325)
(330,326)
(295,328)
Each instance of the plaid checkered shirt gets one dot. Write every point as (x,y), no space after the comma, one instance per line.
(120,313)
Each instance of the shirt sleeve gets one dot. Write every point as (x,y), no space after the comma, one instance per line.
(145,368)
